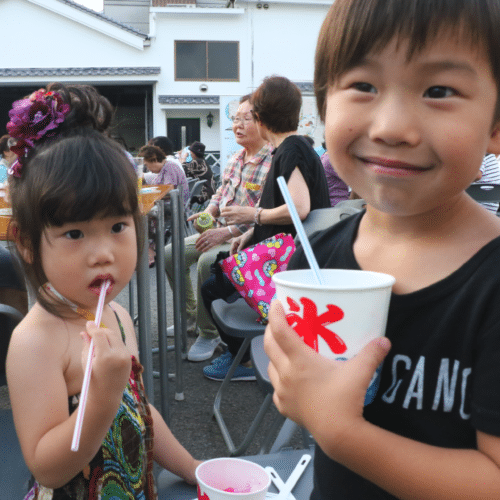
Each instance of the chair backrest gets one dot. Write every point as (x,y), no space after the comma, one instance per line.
(195,189)
(9,318)
(323,218)
(484,192)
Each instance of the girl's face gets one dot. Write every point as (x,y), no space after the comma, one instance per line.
(409,136)
(78,256)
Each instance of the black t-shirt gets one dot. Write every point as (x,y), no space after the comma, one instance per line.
(293,152)
(440,381)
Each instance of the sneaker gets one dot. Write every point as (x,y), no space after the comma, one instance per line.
(171,331)
(203,349)
(222,358)
(219,371)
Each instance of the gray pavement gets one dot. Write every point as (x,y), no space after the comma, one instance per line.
(191,420)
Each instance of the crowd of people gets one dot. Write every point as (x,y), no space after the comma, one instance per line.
(410,102)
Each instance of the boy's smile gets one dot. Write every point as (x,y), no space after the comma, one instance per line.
(409,136)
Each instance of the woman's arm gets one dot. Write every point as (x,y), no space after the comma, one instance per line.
(327,398)
(278,215)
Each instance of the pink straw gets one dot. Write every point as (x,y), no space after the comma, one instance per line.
(75,444)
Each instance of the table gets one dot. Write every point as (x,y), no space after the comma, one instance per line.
(171,486)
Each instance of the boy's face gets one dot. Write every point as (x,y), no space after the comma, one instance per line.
(409,137)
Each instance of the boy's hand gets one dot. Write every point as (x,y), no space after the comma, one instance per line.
(211,238)
(111,364)
(319,394)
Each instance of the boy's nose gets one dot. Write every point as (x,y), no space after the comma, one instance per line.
(394,122)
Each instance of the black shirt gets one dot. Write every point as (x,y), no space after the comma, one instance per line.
(293,152)
(440,381)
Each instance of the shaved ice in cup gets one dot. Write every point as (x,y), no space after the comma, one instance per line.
(339,317)
(230,478)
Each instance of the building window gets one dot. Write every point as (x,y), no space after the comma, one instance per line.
(207,61)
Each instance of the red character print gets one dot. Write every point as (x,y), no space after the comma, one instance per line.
(200,496)
(310,326)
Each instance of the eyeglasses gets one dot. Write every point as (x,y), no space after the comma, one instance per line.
(245,120)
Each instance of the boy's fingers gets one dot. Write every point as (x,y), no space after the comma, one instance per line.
(370,357)
(284,335)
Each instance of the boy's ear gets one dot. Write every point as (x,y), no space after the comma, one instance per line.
(494,145)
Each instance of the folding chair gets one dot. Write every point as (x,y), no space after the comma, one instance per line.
(14,475)
(484,192)
(239,320)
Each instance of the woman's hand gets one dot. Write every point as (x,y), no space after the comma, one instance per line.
(234,214)
(212,238)
(322,395)
(241,242)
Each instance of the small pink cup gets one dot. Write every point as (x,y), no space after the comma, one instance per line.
(231,478)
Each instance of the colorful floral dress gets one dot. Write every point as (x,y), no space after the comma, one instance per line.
(123,467)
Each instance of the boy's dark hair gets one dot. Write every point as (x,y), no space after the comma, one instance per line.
(354,28)
(164,143)
(277,102)
(152,153)
(73,177)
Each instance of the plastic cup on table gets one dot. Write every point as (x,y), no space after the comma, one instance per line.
(340,316)
(231,478)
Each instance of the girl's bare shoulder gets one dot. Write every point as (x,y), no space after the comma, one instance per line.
(128,327)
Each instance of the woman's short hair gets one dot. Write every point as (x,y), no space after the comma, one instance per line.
(152,153)
(277,102)
(164,143)
(354,28)
(4,144)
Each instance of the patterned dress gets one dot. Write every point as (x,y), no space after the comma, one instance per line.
(123,467)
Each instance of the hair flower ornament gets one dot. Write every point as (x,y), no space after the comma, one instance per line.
(32,119)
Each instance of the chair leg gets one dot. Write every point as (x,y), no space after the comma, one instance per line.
(233,450)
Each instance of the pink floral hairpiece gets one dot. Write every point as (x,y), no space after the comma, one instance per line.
(32,119)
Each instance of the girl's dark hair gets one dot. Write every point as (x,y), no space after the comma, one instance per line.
(354,28)
(164,143)
(73,177)
(277,102)
(152,153)
(4,146)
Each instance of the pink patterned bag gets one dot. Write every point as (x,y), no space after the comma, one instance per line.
(251,270)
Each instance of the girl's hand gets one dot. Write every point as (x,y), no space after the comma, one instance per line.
(212,238)
(324,396)
(235,214)
(111,364)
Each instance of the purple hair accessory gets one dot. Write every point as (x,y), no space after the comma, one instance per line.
(32,119)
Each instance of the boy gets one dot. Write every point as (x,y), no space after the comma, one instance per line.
(409,95)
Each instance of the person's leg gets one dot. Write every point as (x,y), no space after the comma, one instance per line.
(191,256)
(213,289)
(205,324)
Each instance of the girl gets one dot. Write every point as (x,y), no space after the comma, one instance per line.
(76,221)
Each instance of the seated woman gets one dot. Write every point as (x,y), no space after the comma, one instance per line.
(276,109)
(162,171)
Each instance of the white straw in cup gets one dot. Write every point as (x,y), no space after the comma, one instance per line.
(300,230)
(75,444)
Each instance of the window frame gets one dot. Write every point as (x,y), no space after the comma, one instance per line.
(207,79)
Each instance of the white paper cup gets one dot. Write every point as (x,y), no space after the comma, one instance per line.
(337,319)
(231,478)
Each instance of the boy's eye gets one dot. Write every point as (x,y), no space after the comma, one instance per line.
(74,234)
(364,87)
(118,227)
(439,92)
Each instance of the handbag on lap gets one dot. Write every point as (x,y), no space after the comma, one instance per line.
(251,270)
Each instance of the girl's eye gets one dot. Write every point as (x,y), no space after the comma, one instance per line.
(118,227)
(364,87)
(74,234)
(439,92)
